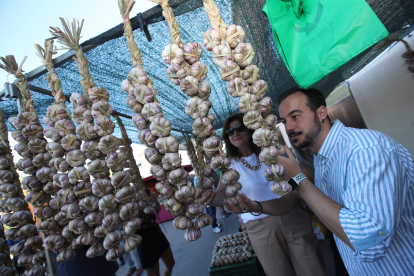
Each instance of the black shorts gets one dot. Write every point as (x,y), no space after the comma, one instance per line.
(153,245)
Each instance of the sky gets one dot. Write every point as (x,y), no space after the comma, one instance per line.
(26,22)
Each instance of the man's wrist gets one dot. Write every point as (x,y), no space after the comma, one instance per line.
(303,184)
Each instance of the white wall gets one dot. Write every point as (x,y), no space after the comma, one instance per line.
(384,93)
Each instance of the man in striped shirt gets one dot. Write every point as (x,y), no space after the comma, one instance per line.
(363,188)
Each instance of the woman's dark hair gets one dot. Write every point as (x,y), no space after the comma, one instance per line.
(232,151)
(315,97)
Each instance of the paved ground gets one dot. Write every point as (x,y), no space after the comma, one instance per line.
(193,259)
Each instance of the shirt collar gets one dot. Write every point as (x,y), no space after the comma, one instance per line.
(331,139)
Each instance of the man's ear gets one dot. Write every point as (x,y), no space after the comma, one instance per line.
(322,113)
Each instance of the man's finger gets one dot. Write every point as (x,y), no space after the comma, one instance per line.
(242,204)
(230,206)
(289,152)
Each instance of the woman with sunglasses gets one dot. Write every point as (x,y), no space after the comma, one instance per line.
(285,243)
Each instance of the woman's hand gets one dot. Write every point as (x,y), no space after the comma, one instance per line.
(244,205)
(203,197)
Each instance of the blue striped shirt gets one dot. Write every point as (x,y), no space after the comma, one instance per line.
(371,176)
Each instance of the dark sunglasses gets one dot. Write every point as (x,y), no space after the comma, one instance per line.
(239,128)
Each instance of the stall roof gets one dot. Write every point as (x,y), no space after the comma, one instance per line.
(109,59)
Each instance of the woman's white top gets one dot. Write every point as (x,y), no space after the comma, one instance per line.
(255,185)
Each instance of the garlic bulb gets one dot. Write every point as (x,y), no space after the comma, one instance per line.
(160,127)
(131,242)
(167,144)
(45,174)
(104,126)
(137,76)
(189,86)
(86,132)
(199,71)
(262,137)
(6,176)
(6,220)
(127,87)
(146,138)
(176,73)
(281,187)
(94,218)
(269,155)
(134,104)
(204,90)
(164,189)
(110,222)
(197,108)
(202,127)
(98,169)
(108,204)
(12,204)
(71,142)
(83,189)
(125,194)
(95,250)
(173,54)
(31,184)
(211,146)
(173,206)
(265,106)
(44,212)
(253,119)
(234,35)
(48,121)
(237,87)
(203,220)
(101,187)
(78,174)
(195,208)
(129,211)
(232,189)
(82,115)
(207,170)
(211,38)
(66,255)
(139,121)
(153,156)
(55,149)
(66,196)
(51,133)
(192,234)
(98,93)
(18,137)
(75,158)
(178,177)
(158,172)
(22,150)
(220,163)
(59,164)
(116,161)
(33,132)
(115,253)
(13,234)
(23,119)
(192,52)
(247,103)
(39,258)
(99,232)
(132,225)
(37,145)
(78,99)
(230,177)
(48,227)
(259,89)
(34,240)
(54,242)
(37,199)
(151,111)
(108,144)
(143,94)
(182,223)
(185,194)
(77,226)
(120,179)
(100,109)
(171,161)
(25,260)
(25,165)
(221,54)
(274,172)
(112,240)
(250,74)
(87,238)
(65,127)
(270,122)
(244,54)
(208,182)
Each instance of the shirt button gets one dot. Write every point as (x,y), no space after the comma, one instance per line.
(381,233)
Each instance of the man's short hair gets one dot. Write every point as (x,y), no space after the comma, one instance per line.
(314,96)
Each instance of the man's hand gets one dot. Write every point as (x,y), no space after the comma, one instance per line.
(243,205)
(203,197)
(290,164)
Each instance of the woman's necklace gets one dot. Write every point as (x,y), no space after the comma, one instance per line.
(247,165)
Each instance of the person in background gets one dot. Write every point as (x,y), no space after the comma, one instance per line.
(154,245)
(127,257)
(284,243)
(223,213)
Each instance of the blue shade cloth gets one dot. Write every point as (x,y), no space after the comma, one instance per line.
(371,176)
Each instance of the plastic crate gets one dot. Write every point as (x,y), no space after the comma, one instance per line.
(251,267)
